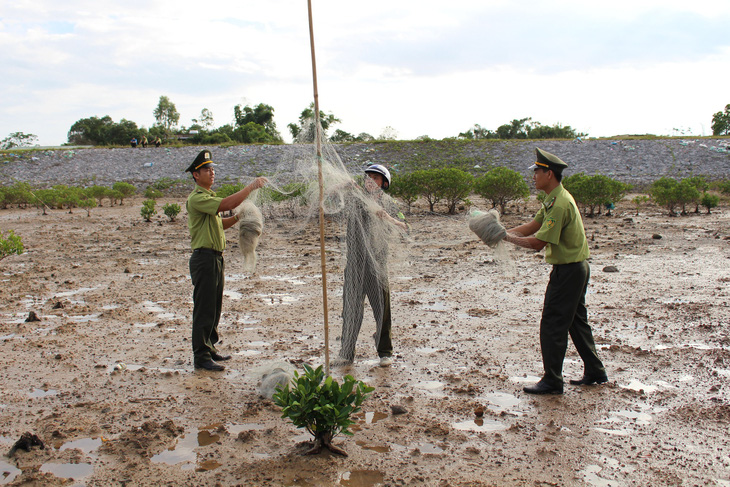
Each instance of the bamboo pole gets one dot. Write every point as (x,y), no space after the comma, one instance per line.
(318,141)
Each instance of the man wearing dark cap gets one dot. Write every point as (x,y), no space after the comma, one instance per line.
(558,227)
(206,264)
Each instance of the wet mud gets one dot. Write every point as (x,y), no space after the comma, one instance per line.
(105,378)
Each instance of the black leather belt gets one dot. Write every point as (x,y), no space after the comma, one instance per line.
(203,250)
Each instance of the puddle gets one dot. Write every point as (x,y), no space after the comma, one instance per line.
(84,318)
(590,476)
(373,417)
(36,393)
(289,279)
(207,465)
(135,367)
(80,290)
(248,353)
(427,448)
(635,385)
(696,346)
(86,445)
(260,344)
(500,401)
(362,478)
(428,350)
(278,298)
(237,277)
(430,385)
(634,417)
(480,425)
(234,295)
(235,429)
(375,448)
(613,432)
(74,471)
(7,337)
(206,438)
(183,454)
(145,325)
(8,472)
(435,307)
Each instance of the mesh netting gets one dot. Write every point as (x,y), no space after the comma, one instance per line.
(486,226)
(362,218)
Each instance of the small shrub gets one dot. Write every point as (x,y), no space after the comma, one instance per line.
(709,201)
(639,200)
(321,405)
(406,188)
(148,209)
(87,204)
(12,244)
(125,190)
(171,210)
(500,186)
(152,193)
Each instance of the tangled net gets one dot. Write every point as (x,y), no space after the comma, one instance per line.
(487,227)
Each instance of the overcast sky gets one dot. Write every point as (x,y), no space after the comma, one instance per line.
(423,67)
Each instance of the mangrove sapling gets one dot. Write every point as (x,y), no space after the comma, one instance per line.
(321,405)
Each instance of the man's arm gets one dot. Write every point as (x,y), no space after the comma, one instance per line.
(521,236)
(230,202)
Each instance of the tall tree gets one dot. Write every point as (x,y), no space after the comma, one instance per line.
(721,122)
(262,114)
(166,114)
(304,130)
(205,120)
(18,139)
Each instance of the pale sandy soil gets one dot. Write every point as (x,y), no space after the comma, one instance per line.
(105,379)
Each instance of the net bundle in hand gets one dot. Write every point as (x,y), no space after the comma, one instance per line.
(250,226)
(486,226)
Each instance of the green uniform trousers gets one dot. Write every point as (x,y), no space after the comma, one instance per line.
(207,273)
(564,313)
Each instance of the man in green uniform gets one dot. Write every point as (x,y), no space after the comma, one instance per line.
(206,264)
(558,228)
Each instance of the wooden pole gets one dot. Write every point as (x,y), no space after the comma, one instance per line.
(318,141)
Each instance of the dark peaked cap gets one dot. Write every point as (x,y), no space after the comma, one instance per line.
(203,159)
(546,160)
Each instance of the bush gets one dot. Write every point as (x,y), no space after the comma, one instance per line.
(593,192)
(148,209)
(500,186)
(226,190)
(125,190)
(406,188)
(671,194)
(709,201)
(639,200)
(152,193)
(98,192)
(87,203)
(171,210)
(449,184)
(12,244)
(321,405)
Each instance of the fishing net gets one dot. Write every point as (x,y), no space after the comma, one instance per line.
(250,226)
(271,375)
(486,226)
(362,220)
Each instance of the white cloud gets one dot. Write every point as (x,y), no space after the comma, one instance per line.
(423,67)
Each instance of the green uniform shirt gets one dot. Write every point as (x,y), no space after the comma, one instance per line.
(204,222)
(562,229)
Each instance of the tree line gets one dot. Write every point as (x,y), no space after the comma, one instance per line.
(255,124)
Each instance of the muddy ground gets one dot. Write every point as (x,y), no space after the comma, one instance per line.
(105,378)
